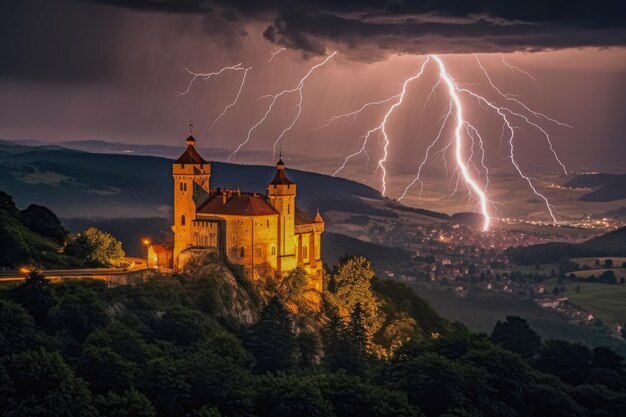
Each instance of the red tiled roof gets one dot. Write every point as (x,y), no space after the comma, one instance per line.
(190,156)
(302,218)
(238,205)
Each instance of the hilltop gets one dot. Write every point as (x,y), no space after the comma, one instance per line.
(609,244)
(607,187)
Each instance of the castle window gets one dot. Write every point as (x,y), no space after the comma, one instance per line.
(259,251)
(242,252)
(195,239)
(181,186)
(273,249)
(304,252)
(288,209)
(212,239)
(182,220)
(268,222)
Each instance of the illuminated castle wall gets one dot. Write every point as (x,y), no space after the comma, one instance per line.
(258,235)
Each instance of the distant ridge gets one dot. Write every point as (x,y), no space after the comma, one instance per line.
(610,244)
(610,187)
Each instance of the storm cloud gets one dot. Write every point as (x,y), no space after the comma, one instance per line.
(414,27)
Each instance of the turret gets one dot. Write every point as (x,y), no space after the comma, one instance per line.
(191,174)
(282,195)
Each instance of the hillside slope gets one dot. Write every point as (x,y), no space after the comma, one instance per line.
(610,244)
(608,187)
(80,184)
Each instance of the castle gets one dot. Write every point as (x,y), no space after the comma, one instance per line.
(256,235)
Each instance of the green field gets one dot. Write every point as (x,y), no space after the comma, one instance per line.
(605,301)
(482,309)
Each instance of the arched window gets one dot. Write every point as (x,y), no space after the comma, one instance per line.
(182,220)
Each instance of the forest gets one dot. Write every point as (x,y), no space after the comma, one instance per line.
(207,343)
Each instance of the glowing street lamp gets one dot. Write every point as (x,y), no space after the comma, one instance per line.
(146,242)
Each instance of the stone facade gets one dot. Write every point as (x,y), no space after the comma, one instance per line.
(257,235)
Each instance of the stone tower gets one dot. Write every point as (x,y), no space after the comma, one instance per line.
(191,174)
(282,195)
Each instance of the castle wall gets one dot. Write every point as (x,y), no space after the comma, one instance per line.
(251,243)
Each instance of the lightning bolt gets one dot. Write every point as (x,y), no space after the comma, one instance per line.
(278,51)
(462,129)
(243,82)
(458,133)
(509,97)
(382,128)
(274,98)
(207,76)
(513,68)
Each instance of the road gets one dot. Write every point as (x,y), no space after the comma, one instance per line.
(111,275)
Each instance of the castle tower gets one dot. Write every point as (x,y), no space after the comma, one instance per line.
(282,195)
(191,174)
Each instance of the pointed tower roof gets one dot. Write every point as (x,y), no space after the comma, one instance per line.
(190,156)
(280,178)
(318,217)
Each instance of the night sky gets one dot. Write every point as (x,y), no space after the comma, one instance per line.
(110,70)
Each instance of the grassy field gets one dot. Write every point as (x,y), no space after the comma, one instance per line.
(605,301)
(617,261)
(482,309)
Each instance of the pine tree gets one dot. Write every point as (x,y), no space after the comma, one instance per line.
(272,339)
(356,329)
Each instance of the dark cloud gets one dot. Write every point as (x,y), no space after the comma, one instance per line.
(415,26)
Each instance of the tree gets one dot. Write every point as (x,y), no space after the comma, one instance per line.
(96,247)
(604,357)
(608,263)
(356,329)
(35,295)
(80,309)
(272,340)
(608,277)
(42,220)
(353,283)
(571,362)
(17,329)
(42,384)
(515,334)
(105,370)
(131,403)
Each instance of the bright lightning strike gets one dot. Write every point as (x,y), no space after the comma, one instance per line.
(243,82)
(274,98)
(458,133)
(382,127)
(278,51)
(207,76)
(463,129)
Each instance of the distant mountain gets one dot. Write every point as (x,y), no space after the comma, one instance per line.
(610,244)
(79,185)
(609,187)
(76,183)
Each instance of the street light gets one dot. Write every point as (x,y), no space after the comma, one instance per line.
(146,243)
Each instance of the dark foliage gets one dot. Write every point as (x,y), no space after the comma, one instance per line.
(153,350)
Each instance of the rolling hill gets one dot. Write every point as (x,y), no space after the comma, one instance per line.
(130,196)
(610,244)
(608,187)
